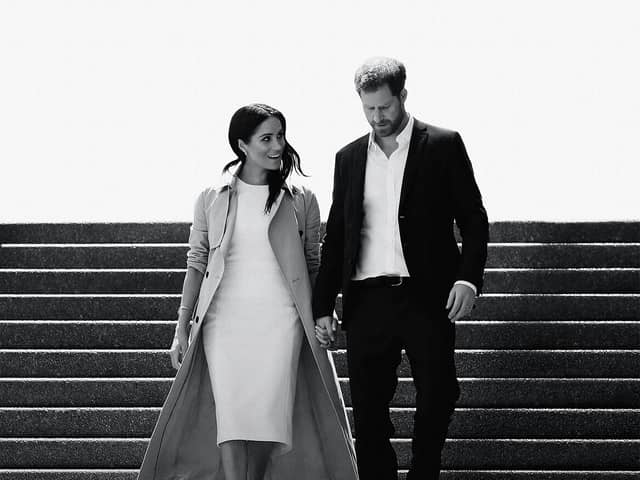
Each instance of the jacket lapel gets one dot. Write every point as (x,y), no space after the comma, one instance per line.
(418,139)
(359,163)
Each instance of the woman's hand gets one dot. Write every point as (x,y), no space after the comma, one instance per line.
(326,331)
(179,345)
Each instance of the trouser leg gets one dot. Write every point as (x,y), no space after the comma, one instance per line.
(373,355)
(429,344)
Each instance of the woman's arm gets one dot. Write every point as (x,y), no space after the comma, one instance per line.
(197,259)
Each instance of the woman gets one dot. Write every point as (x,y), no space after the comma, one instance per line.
(255,396)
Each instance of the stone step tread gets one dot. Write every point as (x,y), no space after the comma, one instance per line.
(25,281)
(466,423)
(457,453)
(131,474)
(487,393)
(624,255)
(152,232)
(469,363)
(164,307)
(65,334)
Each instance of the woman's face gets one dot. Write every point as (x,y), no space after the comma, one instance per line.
(264,148)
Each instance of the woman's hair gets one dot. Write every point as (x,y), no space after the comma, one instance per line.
(243,125)
(379,71)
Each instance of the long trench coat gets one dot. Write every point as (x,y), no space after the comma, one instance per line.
(183,443)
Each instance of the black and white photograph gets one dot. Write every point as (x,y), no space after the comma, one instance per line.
(286,240)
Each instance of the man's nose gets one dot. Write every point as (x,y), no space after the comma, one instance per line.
(377,116)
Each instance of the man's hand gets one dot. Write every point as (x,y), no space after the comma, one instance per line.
(326,331)
(460,302)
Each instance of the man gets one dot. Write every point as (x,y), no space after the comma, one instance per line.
(390,248)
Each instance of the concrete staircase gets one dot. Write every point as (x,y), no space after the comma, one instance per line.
(549,364)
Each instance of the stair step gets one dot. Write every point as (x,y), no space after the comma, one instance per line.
(457,453)
(68,474)
(92,281)
(95,334)
(23,474)
(603,255)
(94,256)
(163,307)
(466,423)
(173,256)
(175,232)
(87,334)
(165,232)
(22,281)
(626,280)
(470,363)
(478,392)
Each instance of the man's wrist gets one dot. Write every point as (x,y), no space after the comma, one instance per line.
(468,284)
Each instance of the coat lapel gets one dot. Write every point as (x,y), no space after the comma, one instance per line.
(218,218)
(418,139)
(286,244)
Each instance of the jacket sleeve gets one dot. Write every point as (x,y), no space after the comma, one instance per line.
(470,216)
(329,277)
(312,235)
(198,254)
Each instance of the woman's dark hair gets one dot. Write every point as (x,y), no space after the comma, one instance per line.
(243,125)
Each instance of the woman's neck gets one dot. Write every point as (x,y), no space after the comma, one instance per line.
(253,176)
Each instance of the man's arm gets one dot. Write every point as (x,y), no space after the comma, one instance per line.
(329,279)
(470,216)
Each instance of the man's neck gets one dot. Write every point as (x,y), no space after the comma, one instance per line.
(389,144)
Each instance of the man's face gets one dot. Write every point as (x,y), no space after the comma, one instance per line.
(384,111)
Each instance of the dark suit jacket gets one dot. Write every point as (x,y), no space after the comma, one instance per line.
(438,187)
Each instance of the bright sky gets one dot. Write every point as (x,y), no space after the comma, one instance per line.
(118,110)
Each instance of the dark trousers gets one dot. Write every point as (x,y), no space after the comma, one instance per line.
(381,322)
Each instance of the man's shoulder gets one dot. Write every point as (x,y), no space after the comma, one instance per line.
(353,146)
(436,132)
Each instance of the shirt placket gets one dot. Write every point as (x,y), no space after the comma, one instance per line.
(390,214)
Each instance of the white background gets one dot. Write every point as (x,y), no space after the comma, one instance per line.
(118,110)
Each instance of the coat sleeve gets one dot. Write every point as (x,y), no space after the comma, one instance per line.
(312,235)
(329,277)
(198,254)
(470,216)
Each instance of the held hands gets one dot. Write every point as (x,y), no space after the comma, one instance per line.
(326,331)
(461,301)
(180,343)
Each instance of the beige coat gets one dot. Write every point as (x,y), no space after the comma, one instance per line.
(183,443)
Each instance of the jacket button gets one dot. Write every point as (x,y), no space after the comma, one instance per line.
(197,319)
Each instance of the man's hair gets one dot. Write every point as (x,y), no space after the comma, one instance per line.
(379,71)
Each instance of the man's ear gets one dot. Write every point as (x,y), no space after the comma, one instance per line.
(403,95)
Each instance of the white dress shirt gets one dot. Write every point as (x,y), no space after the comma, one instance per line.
(380,244)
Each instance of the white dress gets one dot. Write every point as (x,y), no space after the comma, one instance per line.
(252,334)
